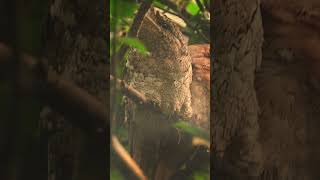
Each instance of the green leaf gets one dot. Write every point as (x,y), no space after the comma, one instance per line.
(135,43)
(123,8)
(120,10)
(195,131)
(201,175)
(192,8)
(159,4)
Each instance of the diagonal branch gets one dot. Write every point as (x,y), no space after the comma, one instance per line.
(134,94)
(81,108)
(127,159)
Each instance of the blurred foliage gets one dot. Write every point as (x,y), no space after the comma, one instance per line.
(192,8)
(201,175)
(20,142)
(195,14)
(31,18)
(135,43)
(115,174)
(122,13)
(191,129)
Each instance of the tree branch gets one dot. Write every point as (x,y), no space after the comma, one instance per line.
(134,94)
(79,107)
(127,159)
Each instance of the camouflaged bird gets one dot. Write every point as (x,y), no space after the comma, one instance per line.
(166,78)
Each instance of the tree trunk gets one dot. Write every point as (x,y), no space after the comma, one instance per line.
(284,99)
(289,115)
(76,46)
(237,42)
(289,103)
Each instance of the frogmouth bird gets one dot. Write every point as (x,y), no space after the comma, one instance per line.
(176,77)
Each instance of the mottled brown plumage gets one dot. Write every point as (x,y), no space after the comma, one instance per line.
(177,78)
(167,78)
(200,97)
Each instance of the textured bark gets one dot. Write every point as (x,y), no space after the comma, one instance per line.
(289,116)
(288,95)
(76,46)
(286,86)
(237,41)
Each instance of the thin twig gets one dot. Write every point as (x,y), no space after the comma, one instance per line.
(125,156)
(200,5)
(207,5)
(130,91)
